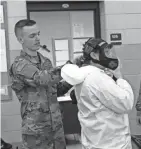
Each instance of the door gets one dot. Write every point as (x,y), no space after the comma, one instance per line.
(64,30)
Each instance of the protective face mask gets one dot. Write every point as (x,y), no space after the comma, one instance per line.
(111,63)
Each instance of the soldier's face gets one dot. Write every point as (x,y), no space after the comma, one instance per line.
(30,37)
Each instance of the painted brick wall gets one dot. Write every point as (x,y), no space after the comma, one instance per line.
(10,111)
(125,17)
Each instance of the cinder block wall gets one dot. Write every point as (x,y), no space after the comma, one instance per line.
(10,111)
(125,17)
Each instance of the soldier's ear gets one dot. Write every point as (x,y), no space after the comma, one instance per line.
(20,39)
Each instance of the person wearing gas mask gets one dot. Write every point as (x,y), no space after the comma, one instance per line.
(37,85)
(104,98)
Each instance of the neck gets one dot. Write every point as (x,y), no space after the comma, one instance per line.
(30,52)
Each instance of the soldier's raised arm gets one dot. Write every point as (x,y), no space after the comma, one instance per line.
(31,75)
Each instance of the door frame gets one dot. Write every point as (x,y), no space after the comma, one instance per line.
(34,6)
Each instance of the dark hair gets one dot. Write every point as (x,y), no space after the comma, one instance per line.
(22,23)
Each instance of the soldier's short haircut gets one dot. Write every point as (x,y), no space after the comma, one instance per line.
(22,23)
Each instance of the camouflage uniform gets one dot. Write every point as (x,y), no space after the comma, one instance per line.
(37,84)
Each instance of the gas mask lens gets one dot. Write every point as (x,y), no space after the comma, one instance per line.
(110,53)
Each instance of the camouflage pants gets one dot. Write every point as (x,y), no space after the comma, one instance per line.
(55,140)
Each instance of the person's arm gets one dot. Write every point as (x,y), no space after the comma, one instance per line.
(16,84)
(117,96)
(32,76)
(62,88)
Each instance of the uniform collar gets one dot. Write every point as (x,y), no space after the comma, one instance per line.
(31,58)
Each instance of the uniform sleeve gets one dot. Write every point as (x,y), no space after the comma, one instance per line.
(138,104)
(32,76)
(16,84)
(62,88)
(117,96)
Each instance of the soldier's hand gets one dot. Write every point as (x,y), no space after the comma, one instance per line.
(79,61)
(58,69)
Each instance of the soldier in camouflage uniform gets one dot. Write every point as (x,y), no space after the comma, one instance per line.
(37,85)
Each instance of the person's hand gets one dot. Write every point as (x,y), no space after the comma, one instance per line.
(57,70)
(117,73)
(109,73)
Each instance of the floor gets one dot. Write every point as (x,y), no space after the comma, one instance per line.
(72,140)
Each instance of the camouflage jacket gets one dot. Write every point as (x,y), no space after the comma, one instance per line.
(37,84)
(138,104)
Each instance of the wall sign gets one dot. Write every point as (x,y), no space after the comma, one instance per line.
(116,38)
(78,30)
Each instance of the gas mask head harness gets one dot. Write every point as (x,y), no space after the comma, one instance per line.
(106,58)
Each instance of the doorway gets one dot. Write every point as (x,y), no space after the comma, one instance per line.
(64,29)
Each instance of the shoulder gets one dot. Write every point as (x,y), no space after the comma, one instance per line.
(19,63)
(94,73)
(97,78)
